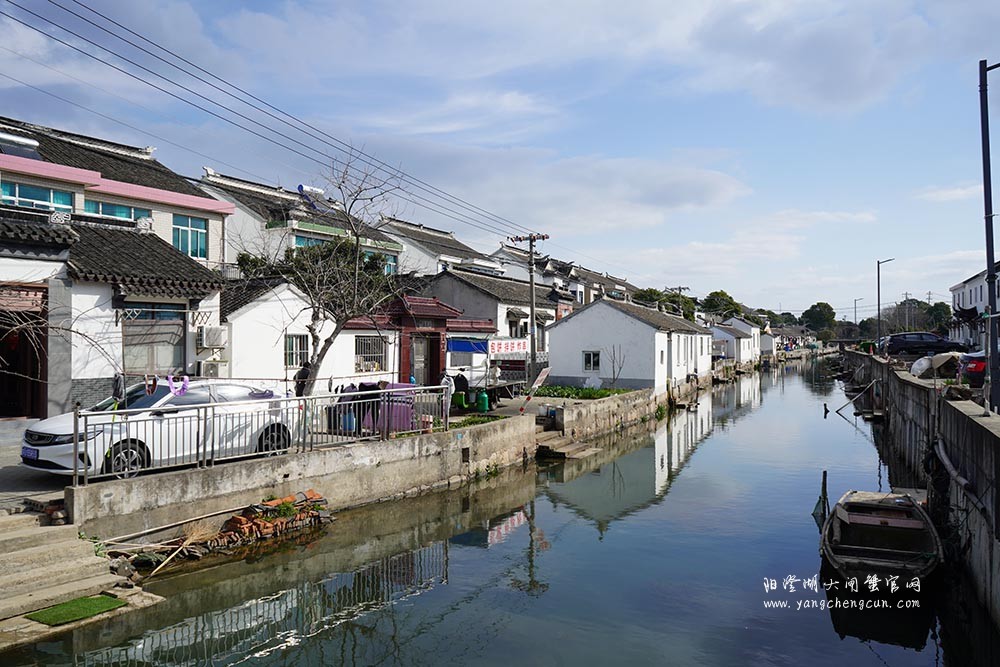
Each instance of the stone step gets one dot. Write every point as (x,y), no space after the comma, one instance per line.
(582,454)
(20,520)
(50,553)
(65,571)
(539,428)
(547,436)
(26,603)
(33,536)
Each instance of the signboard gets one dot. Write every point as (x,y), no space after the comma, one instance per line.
(512,347)
(542,377)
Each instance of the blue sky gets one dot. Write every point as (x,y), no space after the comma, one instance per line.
(774,149)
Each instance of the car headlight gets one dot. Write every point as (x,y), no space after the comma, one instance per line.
(89,434)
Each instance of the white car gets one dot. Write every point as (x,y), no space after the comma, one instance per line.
(212,420)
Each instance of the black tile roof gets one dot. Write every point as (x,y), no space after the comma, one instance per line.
(138,263)
(436,241)
(117,162)
(655,318)
(732,331)
(238,293)
(31,228)
(504,290)
(276,207)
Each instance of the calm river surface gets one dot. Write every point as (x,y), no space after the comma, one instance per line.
(654,552)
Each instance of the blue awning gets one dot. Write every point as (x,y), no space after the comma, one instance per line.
(459,345)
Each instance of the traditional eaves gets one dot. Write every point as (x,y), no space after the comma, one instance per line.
(505,290)
(137,263)
(436,241)
(117,162)
(732,331)
(32,229)
(238,293)
(273,203)
(658,320)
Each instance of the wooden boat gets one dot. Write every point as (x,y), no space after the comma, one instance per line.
(880,533)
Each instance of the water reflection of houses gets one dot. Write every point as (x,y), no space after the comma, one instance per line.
(634,479)
(274,622)
(733,400)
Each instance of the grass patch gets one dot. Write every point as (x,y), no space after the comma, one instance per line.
(584,393)
(76,610)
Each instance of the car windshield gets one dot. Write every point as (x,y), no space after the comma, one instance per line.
(135,397)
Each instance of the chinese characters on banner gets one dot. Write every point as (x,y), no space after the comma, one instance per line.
(508,346)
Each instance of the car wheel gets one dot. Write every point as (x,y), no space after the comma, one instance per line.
(125,460)
(273,441)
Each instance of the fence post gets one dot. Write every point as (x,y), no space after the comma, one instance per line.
(76,443)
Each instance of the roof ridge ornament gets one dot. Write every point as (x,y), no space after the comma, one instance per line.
(59,218)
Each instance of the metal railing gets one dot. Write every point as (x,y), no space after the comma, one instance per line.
(124,443)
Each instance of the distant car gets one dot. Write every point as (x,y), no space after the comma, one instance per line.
(920,342)
(973,368)
(171,430)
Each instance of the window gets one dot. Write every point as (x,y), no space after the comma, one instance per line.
(33,196)
(517,329)
(390,261)
(592,361)
(369,354)
(307,241)
(193,396)
(296,350)
(115,210)
(191,236)
(153,340)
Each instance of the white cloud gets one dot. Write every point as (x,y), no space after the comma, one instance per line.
(953,193)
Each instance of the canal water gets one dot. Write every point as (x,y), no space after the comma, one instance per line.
(688,542)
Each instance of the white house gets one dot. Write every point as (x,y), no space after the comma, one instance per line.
(269,219)
(738,344)
(82,301)
(583,284)
(268,339)
(768,344)
(969,299)
(427,251)
(749,328)
(49,169)
(614,342)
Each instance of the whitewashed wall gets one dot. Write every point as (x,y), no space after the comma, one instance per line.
(96,339)
(257,342)
(600,328)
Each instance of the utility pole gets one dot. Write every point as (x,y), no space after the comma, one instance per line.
(531,238)
(991,269)
(928,297)
(906,309)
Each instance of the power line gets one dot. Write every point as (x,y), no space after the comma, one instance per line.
(337,144)
(413,199)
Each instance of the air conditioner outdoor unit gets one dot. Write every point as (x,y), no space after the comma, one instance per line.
(210,338)
(213,369)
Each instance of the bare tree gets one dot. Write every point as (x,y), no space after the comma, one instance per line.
(616,362)
(346,277)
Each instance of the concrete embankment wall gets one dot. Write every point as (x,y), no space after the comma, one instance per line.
(347,476)
(917,419)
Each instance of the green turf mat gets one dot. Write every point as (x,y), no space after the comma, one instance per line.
(77,609)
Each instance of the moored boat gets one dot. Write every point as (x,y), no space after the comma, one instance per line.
(880,533)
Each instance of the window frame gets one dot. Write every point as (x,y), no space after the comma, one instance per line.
(365,359)
(297,356)
(588,361)
(99,205)
(183,229)
(17,199)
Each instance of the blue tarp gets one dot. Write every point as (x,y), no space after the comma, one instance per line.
(459,345)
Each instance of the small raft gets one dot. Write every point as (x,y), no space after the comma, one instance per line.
(884,533)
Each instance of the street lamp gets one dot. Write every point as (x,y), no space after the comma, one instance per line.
(991,270)
(878,296)
(860,298)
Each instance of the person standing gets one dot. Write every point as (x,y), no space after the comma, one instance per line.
(302,378)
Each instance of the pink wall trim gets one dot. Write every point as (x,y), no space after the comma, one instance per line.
(57,172)
(92,181)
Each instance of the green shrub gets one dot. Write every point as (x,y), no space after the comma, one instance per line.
(583,393)
(473,420)
(661,412)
